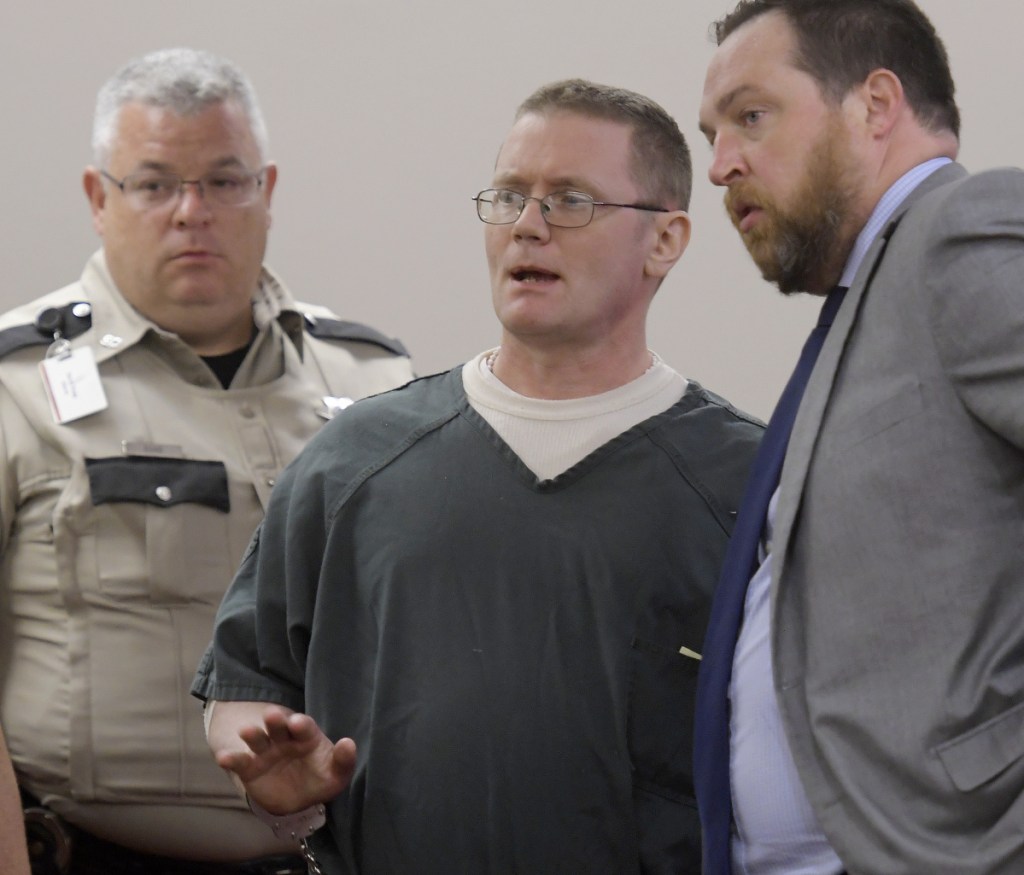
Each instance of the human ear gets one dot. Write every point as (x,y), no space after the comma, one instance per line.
(673,230)
(96,193)
(269,181)
(882,97)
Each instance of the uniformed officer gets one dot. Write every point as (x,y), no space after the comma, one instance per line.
(145,412)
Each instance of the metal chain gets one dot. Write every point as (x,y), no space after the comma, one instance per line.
(311,864)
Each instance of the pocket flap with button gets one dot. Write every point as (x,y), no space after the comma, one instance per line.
(160,482)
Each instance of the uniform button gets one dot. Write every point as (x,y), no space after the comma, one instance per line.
(81,310)
(248,412)
(271,481)
(163,493)
(49,320)
(111,341)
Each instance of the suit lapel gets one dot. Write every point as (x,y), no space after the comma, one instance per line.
(819,387)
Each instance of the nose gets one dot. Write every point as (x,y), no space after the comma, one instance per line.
(727,163)
(531,224)
(191,208)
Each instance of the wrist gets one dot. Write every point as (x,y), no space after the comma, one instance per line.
(295,826)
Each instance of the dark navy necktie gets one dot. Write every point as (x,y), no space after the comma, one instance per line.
(711,732)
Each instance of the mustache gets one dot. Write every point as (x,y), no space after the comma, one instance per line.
(739,198)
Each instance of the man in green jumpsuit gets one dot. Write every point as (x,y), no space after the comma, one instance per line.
(477,604)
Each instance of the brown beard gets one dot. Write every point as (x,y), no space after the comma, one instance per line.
(803,248)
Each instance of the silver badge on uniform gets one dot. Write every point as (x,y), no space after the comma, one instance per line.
(332,406)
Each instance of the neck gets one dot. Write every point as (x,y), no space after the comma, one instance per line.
(557,375)
(906,148)
(223,342)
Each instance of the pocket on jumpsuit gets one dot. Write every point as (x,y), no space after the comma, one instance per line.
(662,687)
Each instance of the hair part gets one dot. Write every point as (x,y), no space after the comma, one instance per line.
(661,164)
(184,81)
(840,42)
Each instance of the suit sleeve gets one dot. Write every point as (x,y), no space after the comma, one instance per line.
(974,272)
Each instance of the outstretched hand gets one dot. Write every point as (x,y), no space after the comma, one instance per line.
(288,763)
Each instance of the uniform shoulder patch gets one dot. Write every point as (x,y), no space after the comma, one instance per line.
(68,321)
(338,329)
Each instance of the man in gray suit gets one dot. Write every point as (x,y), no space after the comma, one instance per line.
(873,690)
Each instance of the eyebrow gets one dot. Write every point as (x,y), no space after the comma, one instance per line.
(724,102)
(164,167)
(560,183)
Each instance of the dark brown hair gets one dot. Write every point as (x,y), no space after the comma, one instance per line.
(839,42)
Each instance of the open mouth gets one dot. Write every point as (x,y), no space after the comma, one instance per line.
(533,275)
(744,215)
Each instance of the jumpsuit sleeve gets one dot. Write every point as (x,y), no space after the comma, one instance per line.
(261,634)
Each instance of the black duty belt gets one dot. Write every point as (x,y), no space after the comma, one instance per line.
(58,848)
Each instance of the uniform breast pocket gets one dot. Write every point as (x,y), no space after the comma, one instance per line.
(160,528)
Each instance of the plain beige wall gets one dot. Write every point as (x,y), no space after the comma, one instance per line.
(385,118)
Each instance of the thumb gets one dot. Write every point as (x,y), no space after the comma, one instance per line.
(344,759)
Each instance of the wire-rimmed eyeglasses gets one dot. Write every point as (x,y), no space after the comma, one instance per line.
(227,187)
(562,209)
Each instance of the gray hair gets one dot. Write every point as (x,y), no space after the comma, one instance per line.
(184,81)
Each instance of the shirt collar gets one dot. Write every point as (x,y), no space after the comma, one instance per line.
(886,206)
(119,325)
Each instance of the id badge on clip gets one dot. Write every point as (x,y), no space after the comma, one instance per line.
(72,382)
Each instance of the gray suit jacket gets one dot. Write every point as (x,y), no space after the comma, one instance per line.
(898,601)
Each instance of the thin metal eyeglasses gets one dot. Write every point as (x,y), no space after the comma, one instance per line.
(149,189)
(562,209)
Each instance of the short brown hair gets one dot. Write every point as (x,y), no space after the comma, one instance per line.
(839,42)
(661,164)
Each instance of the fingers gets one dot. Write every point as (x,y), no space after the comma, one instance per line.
(257,738)
(281,745)
(235,761)
(279,727)
(289,763)
(345,751)
(283,735)
(344,755)
(344,758)
(302,727)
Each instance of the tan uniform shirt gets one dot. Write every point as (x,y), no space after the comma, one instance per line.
(117,546)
